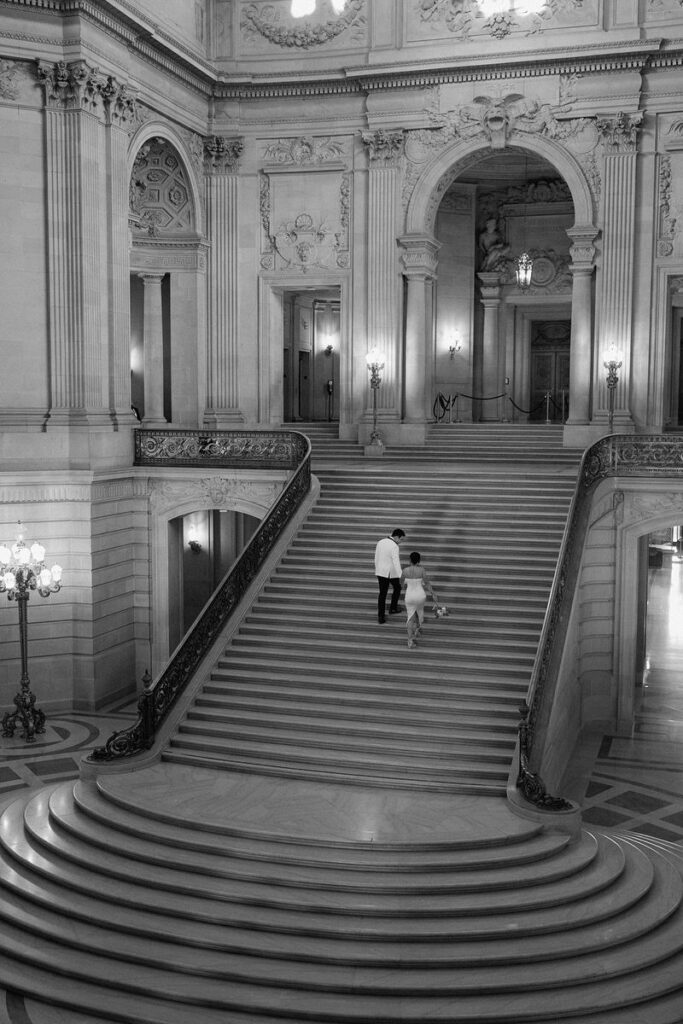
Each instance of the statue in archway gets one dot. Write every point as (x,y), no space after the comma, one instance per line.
(493,250)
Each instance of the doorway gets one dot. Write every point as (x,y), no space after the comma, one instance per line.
(549,365)
(660,661)
(311,355)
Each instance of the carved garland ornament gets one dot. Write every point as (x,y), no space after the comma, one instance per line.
(667,223)
(262,20)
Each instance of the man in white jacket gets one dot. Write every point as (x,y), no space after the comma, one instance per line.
(388,571)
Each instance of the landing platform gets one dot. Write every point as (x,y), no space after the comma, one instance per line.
(220,800)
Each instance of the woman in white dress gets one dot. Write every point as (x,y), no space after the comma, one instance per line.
(418,587)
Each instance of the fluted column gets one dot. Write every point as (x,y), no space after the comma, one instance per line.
(582,253)
(153,352)
(492,383)
(222,391)
(419,260)
(75,152)
(619,138)
(384,149)
(120,110)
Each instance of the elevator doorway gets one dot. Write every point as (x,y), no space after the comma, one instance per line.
(549,363)
(311,355)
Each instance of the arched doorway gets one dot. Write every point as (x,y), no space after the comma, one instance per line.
(491,338)
(167,293)
(487,365)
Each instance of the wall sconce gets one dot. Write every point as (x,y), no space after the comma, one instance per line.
(329,350)
(612,364)
(456,343)
(192,542)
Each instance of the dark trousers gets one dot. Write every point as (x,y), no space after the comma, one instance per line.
(383,582)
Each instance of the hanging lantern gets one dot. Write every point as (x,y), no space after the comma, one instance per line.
(524,266)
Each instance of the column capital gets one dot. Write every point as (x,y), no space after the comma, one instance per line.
(491,285)
(582,250)
(420,255)
(619,132)
(384,147)
(222,153)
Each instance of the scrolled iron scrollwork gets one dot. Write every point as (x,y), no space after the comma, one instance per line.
(225,448)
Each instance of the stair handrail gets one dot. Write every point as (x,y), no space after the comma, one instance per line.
(616,455)
(222,449)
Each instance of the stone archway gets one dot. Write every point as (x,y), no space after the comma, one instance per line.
(167,265)
(442,170)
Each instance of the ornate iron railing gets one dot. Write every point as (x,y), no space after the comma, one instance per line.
(227,449)
(619,455)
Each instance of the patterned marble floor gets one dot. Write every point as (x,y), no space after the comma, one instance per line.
(633,784)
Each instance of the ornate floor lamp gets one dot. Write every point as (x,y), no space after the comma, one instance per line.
(612,365)
(375,363)
(22,569)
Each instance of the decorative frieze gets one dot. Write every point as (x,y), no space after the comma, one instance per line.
(619,134)
(305,150)
(212,492)
(222,154)
(384,147)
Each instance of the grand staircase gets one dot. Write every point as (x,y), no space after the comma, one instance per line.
(326,838)
(314,687)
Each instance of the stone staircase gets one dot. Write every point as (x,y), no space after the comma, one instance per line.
(313,686)
(179,895)
(326,839)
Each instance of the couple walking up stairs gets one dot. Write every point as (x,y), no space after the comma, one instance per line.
(326,837)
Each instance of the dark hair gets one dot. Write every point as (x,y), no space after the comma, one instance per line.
(415,557)
(398,533)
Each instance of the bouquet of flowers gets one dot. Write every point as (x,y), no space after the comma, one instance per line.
(440,611)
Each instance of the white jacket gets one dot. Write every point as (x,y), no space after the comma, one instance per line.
(387,562)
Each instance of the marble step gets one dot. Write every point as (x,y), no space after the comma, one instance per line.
(502,710)
(336,709)
(338,722)
(475,613)
(477,676)
(370,654)
(269,616)
(352,737)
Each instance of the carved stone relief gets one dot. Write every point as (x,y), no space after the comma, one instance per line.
(667,223)
(221,154)
(303,150)
(619,134)
(305,241)
(9,80)
(79,86)
(272,23)
(384,147)
(461,17)
(211,492)
(639,506)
